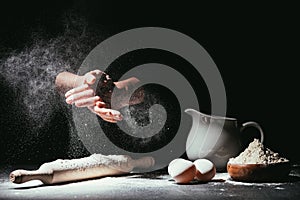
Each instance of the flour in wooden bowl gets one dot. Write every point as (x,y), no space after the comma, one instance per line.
(256,153)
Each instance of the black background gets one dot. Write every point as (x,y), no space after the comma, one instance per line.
(255,47)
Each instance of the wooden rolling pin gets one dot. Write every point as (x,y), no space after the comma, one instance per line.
(96,165)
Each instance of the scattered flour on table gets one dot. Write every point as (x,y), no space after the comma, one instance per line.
(226,178)
(256,153)
(112,161)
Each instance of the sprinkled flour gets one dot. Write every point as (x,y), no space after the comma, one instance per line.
(256,153)
(119,162)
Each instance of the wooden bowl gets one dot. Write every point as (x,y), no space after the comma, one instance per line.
(259,172)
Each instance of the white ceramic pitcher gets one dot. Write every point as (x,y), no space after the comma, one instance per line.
(216,138)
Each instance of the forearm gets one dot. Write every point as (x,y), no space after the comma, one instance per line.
(65,81)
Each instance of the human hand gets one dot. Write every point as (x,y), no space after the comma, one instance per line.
(106,114)
(84,96)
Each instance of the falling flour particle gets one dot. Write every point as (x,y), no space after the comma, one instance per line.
(30,73)
(256,153)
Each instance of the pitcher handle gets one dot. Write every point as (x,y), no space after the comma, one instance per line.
(255,125)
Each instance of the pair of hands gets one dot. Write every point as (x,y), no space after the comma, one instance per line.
(84,96)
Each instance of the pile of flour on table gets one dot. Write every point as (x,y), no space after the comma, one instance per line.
(256,153)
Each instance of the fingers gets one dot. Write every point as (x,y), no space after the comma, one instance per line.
(90,77)
(108,114)
(76,90)
(96,72)
(80,95)
(127,83)
(83,96)
(108,119)
(87,102)
(103,116)
(100,104)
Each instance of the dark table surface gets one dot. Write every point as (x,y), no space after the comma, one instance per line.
(155,185)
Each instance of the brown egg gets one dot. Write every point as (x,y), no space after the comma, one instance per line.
(182,171)
(205,170)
